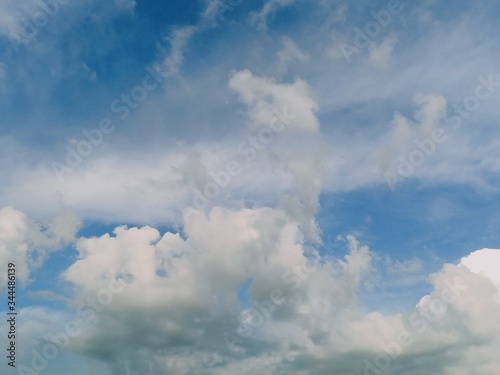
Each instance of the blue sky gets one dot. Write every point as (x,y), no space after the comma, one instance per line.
(383,178)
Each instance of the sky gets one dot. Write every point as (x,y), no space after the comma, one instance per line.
(250,186)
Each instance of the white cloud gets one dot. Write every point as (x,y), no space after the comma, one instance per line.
(184,289)
(178,43)
(262,95)
(217,10)
(293,105)
(485,263)
(380,54)
(427,118)
(9,22)
(27,244)
(188,286)
(289,54)
(260,18)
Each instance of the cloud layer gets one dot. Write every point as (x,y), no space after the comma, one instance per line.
(262,203)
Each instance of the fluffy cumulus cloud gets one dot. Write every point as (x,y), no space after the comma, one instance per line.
(243,290)
(484,262)
(27,244)
(195,320)
(191,284)
(300,315)
(263,95)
